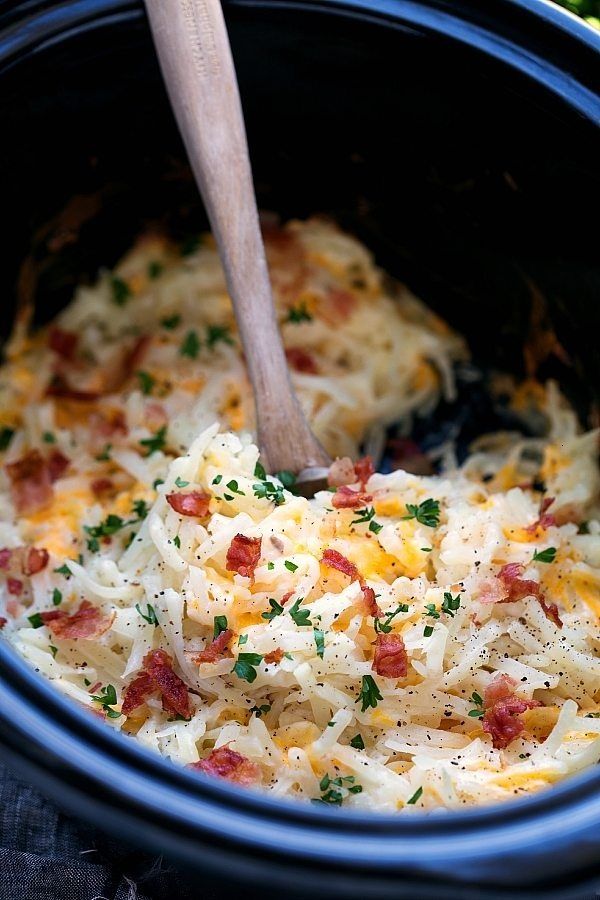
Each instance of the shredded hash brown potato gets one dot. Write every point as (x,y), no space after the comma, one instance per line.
(399,642)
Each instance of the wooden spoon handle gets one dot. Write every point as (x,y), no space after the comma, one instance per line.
(193,49)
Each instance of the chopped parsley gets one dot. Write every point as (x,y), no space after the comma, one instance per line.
(177,541)
(217,479)
(416,796)
(35,620)
(243,639)
(290,566)
(56,597)
(234,487)
(431,610)
(105,529)
(276,610)
(155,268)
(171,322)
(335,790)
(357,742)
(300,616)
(64,570)
(157,482)
(427,512)
(270,566)
(385,627)
(219,625)
(450,604)
(180,483)
(259,471)
(48,437)
(107,699)
(370,694)
(546,556)
(53,650)
(146,381)
(216,333)
(477,702)
(428,631)
(266,490)
(245,666)
(190,346)
(189,245)
(121,292)
(261,710)
(299,313)
(156,442)
(104,455)
(140,508)
(149,615)
(366,515)
(319,641)
(287,478)
(6,435)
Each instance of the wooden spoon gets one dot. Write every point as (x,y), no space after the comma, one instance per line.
(195,57)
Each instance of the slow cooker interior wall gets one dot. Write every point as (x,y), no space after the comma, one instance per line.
(468,183)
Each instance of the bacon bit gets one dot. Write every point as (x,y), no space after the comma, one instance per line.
(87,623)
(107,424)
(59,387)
(155,416)
(30,483)
(346,498)
(35,560)
(15,586)
(551,612)
(336,560)
(194,503)
(137,693)
(301,360)
(491,590)
(216,650)
(226,763)
(57,464)
(545,519)
(102,487)
(286,597)
(5,556)
(390,660)
(370,601)
(364,469)
(135,355)
(501,711)
(3,622)
(95,687)
(407,455)
(275,656)
(158,665)
(63,342)
(341,472)
(343,302)
(243,555)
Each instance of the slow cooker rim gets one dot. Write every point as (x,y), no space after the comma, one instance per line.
(21,681)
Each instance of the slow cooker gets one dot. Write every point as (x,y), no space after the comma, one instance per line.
(460,141)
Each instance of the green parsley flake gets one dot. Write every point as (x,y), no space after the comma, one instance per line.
(370,694)
(266,490)
(450,604)
(121,292)
(155,269)
(149,615)
(189,245)
(477,702)
(427,512)
(545,556)
(56,597)
(259,471)
(177,541)
(156,442)
(234,487)
(190,346)
(216,333)
(219,625)
(299,314)
(357,742)
(53,650)
(335,790)
(319,641)
(290,566)
(6,435)
(385,627)
(245,666)
(276,610)
(48,437)
(171,322)
(217,479)
(35,620)
(64,570)
(416,796)
(107,699)
(146,381)
(105,529)
(180,483)
(300,616)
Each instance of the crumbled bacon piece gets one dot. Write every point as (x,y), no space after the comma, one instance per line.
(3,622)
(275,656)
(102,487)
(35,560)
(137,692)
(30,483)
(5,557)
(286,597)
(158,665)
(15,586)
(370,601)
(341,472)
(63,342)
(301,360)
(491,590)
(518,588)
(364,469)
(106,424)
(86,623)
(59,387)
(194,503)
(57,464)
(501,711)
(216,650)
(551,612)
(135,355)
(545,519)
(390,660)
(243,555)
(342,302)
(338,561)
(226,763)
(346,498)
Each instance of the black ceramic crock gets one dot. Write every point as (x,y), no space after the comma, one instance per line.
(460,140)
